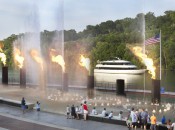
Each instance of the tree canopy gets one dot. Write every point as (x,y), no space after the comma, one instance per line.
(110,39)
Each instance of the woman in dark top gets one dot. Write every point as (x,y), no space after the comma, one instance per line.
(73,114)
(23,105)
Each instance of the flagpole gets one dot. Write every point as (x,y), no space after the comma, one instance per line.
(160,57)
(144,53)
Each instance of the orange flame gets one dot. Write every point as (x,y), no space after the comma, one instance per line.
(18,57)
(147,61)
(85,62)
(1,46)
(36,57)
(2,56)
(57,59)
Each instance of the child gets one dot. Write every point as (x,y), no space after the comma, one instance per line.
(23,105)
(129,120)
(120,115)
(110,114)
(94,112)
(77,112)
(37,106)
(68,111)
(169,124)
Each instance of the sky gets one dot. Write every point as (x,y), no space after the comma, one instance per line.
(19,16)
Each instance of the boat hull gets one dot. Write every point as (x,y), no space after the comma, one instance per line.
(139,71)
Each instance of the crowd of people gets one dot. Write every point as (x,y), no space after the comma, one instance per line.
(74,112)
(135,118)
(170,125)
(138,118)
(141,118)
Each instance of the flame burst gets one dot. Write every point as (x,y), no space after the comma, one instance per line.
(57,59)
(2,55)
(85,62)
(18,57)
(147,61)
(36,57)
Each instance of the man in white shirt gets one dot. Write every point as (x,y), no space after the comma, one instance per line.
(94,112)
(81,109)
(77,111)
(133,118)
(173,126)
(104,112)
(110,115)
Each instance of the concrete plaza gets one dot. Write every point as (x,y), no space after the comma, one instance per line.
(11,118)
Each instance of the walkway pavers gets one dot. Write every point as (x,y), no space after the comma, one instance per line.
(13,119)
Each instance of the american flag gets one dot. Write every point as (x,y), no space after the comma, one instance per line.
(153,40)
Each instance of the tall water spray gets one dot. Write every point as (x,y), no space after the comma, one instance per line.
(54,71)
(31,41)
(29,45)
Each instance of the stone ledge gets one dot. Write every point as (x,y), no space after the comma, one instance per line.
(15,103)
(116,121)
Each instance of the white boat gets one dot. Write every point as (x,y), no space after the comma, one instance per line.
(117,66)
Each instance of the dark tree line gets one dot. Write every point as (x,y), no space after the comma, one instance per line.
(111,39)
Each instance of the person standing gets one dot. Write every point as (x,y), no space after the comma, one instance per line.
(85,108)
(73,114)
(153,122)
(128,120)
(169,124)
(133,118)
(23,105)
(37,106)
(143,116)
(163,120)
(173,126)
(67,111)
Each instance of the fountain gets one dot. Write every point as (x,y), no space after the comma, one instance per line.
(49,75)
(28,54)
(85,62)
(4,67)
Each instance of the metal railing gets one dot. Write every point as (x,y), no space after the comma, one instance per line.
(110,86)
(105,86)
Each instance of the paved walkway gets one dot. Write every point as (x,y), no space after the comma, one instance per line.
(11,118)
(10,123)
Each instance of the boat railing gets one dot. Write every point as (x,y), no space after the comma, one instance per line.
(110,86)
(105,86)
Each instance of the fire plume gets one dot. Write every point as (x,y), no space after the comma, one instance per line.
(2,56)
(57,59)
(147,61)
(85,62)
(36,57)
(18,57)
